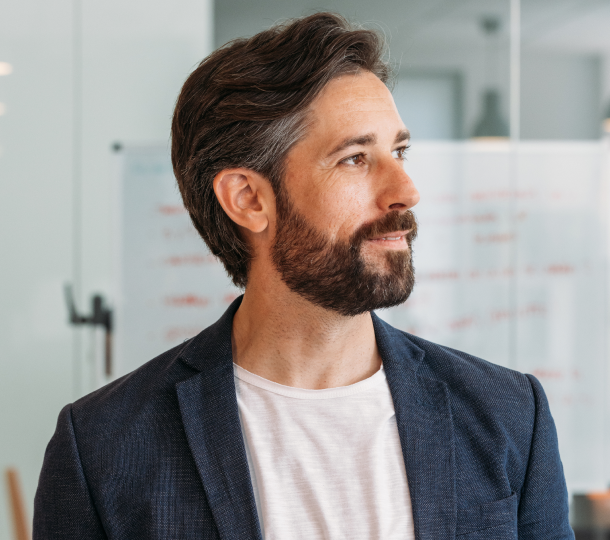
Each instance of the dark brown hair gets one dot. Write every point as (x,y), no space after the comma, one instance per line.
(245,106)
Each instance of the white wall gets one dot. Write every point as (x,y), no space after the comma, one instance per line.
(85,75)
(35,233)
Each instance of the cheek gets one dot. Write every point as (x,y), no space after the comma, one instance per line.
(342,209)
(332,201)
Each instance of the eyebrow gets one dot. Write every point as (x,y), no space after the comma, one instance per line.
(366,140)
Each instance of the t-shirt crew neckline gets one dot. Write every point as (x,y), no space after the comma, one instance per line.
(306,393)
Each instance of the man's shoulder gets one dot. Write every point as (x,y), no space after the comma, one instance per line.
(468,377)
(488,402)
(148,393)
(142,394)
(441,357)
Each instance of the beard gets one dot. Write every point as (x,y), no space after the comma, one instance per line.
(334,274)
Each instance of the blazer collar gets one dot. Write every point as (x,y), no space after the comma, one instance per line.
(425,429)
(208,406)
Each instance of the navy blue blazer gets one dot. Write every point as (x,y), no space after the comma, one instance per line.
(159,454)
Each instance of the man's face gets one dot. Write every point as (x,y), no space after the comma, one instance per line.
(344,228)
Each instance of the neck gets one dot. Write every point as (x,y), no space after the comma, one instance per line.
(284,338)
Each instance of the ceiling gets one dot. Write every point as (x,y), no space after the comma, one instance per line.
(570,25)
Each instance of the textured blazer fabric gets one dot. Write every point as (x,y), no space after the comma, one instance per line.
(159,453)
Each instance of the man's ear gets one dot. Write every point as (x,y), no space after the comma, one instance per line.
(246,196)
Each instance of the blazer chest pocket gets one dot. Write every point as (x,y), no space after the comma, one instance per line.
(501,514)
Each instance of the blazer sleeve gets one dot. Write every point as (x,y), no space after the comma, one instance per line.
(543,508)
(63,507)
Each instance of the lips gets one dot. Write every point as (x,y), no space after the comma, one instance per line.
(392,236)
(393,230)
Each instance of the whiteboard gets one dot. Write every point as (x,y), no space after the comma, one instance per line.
(169,285)
(511,266)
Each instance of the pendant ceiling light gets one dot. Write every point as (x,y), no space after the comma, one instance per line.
(606,124)
(491,124)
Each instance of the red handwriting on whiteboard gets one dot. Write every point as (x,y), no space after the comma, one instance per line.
(501,314)
(494,238)
(533,309)
(181,332)
(171,209)
(419,299)
(178,234)
(560,269)
(502,195)
(572,399)
(488,217)
(229,297)
(502,272)
(461,324)
(187,300)
(556,374)
(496,315)
(190,260)
(421,329)
(526,311)
(441,275)
(507,272)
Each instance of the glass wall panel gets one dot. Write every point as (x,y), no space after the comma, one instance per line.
(74,78)
(565,98)
(451,59)
(565,81)
(561,295)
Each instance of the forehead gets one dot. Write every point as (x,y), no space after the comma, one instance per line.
(350,106)
(355,91)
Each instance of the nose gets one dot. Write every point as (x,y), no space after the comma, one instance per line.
(397,190)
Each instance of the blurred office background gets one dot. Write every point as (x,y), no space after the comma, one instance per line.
(508,103)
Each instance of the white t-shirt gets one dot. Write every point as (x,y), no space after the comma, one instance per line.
(325,464)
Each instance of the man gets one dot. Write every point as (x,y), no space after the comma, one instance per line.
(300,414)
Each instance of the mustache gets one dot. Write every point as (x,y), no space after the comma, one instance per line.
(394,221)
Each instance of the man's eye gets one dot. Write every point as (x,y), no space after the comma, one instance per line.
(358,159)
(401,153)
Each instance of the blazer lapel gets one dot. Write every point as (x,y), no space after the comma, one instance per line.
(425,428)
(208,406)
